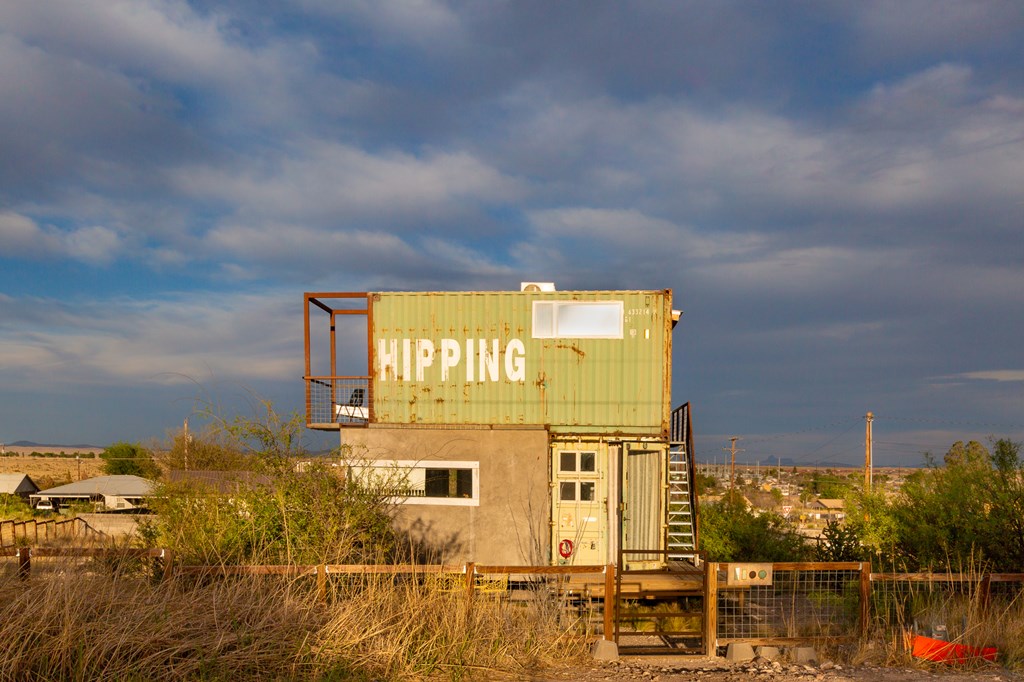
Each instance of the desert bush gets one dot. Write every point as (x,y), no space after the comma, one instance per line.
(209,449)
(14,507)
(839,542)
(276,511)
(309,516)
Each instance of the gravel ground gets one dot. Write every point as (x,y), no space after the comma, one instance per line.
(705,669)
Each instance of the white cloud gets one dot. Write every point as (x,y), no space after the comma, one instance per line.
(176,339)
(21,236)
(421,22)
(94,244)
(928,26)
(921,93)
(921,142)
(328,183)
(464,262)
(303,246)
(632,231)
(995,375)
(163,38)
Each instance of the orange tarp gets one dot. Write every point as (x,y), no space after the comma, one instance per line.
(948,652)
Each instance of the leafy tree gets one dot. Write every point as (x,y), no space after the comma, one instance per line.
(970,509)
(705,483)
(730,531)
(871,519)
(829,485)
(129,458)
(210,449)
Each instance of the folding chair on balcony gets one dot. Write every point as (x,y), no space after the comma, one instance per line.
(354,408)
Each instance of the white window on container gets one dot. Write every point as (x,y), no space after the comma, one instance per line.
(577,319)
(444,483)
(543,319)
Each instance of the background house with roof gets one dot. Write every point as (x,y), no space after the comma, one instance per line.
(111,493)
(827,509)
(21,485)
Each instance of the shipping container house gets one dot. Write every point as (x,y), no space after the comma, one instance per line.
(514,427)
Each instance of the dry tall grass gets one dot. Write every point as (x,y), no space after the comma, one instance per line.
(971,614)
(98,621)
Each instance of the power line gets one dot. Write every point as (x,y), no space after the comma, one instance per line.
(949,422)
(799,433)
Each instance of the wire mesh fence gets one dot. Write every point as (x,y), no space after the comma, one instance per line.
(943,605)
(338,400)
(796,602)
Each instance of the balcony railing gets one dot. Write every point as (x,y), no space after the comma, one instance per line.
(333,402)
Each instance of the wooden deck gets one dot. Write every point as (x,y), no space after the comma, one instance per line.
(679,580)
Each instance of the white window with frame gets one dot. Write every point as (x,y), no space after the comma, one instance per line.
(426,482)
(577,319)
(574,468)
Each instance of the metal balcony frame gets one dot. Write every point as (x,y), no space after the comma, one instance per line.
(322,300)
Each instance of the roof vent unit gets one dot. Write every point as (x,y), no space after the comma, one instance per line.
(537,286)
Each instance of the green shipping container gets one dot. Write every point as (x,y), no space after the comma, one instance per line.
(574,361)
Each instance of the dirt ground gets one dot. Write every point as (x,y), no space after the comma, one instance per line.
(49,471)
(708,669)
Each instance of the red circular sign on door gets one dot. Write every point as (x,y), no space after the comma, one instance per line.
(565,548)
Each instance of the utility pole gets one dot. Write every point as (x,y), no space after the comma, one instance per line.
(732,475)
(186,443)
(868,465)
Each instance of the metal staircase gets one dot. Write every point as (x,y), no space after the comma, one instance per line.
(682,493)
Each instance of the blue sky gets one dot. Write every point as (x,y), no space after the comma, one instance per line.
(833,190)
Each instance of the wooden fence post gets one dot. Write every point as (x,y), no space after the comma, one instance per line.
(611,600)
(470,579)
(321,582)
(865,598)
(24,562)
(710,607)
(168,564)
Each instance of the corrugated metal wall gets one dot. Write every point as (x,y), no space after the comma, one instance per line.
(570,384)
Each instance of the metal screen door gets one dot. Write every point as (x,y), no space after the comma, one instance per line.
(642,504)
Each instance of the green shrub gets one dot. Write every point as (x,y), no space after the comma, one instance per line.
(277,512)
(129,459)
(731,531)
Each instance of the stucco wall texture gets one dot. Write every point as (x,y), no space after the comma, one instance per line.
(511,523)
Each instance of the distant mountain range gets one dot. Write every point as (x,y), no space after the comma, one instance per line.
(30,444)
